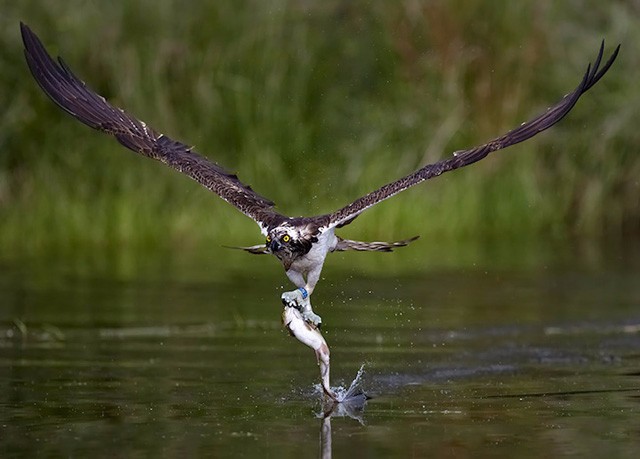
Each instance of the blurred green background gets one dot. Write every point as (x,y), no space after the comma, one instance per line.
(315,104)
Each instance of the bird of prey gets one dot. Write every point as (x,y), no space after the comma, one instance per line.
(300,243)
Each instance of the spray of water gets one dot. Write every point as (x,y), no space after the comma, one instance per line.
(346,394)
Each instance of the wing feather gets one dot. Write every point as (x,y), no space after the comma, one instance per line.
(73,96)
(463,158)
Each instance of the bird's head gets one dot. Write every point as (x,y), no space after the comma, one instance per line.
(287,243)
(281,240)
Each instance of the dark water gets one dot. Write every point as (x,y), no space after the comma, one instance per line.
(501,359)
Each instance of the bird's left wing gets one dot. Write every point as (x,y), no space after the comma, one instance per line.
(463,158)
(73,96)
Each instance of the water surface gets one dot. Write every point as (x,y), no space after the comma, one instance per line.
(539,358)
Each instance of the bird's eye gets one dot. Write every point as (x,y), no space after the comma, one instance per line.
(268,239)
(286,238)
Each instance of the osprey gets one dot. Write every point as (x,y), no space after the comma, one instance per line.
(300,243)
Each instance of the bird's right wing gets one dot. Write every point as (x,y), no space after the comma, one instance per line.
(73,96)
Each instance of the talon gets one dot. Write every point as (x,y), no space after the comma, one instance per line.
(293,299)
(299,299)
(313,318)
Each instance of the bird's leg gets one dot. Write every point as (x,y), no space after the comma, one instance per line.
(300,298)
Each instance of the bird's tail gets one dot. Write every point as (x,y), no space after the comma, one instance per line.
(259,249)
(376,246)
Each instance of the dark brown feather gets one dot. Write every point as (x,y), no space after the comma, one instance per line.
(466,157)
(74,97)
(376,246)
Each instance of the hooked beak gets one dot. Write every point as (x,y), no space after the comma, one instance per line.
(274,246)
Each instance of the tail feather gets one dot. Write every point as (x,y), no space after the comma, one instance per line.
(259,249)
(376,246)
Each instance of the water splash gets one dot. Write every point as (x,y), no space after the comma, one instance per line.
(354,389)
(349,403)
(351,393)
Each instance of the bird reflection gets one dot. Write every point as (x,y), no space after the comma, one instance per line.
(352,406)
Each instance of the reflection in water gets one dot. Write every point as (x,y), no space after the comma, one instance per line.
(529,362)
(209,387)
(351,405)
(568,393)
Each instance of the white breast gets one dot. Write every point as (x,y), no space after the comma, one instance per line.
(327,241)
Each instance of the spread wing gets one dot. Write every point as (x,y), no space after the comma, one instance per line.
(74,97)
(463,158)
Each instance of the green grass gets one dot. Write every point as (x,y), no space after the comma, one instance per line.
(314,104)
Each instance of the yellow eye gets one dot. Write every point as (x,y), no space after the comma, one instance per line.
(286,238)
(268,239)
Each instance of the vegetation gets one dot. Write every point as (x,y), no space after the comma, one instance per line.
(316,103)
